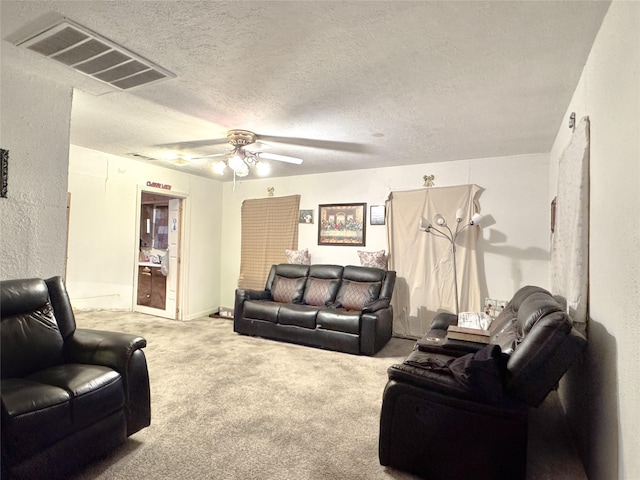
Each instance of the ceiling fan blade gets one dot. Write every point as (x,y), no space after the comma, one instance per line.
(279,158)
(212,156)
(194,144)
(316,143)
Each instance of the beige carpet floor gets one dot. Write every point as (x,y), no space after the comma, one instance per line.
(227,406)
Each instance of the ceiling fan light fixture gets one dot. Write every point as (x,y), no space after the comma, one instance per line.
(236,162)
(242,172)
(219,167)
(263,169)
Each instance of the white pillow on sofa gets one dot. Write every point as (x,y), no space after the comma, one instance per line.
(373,259)
(299,257)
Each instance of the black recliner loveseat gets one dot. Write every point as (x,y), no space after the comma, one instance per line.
(450,414)
(328,306)
(69,395)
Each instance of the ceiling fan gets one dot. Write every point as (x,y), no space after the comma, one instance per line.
(239,159)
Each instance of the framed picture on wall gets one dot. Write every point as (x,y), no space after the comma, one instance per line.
(4,171)
(306,216)
(342,224)
(377,215)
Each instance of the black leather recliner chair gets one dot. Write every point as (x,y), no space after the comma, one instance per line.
(471,422)
(68,395)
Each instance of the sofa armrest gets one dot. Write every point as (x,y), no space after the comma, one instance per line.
(442,321)
(375,330)
(122,352)
(246,294)
(243,295)
(377,305)
(98,347)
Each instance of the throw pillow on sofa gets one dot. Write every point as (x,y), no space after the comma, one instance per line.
(298,257)
(373,259)
(357,295)
(317,292)
(288,290)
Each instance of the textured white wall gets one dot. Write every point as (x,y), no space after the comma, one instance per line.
(102,232)
(515,252)
(35,130)
(601,394)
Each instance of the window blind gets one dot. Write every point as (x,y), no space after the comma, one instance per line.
(269,226)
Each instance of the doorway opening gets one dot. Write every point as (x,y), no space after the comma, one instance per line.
(157,278)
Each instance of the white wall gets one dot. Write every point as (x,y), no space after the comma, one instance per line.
(102,232)
(601,394)
(35,129)
(516,252)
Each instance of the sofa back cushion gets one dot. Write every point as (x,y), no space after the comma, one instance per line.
(291,278)
(322,284)
(30,339)
(546,346)
(533,308)
(504,329)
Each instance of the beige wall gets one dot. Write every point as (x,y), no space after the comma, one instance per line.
(515,250)
(601,395)
(103,245)
(35,130)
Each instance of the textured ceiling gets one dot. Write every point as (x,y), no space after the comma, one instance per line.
(400,82)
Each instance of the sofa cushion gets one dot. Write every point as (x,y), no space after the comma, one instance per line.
(356,295)
(31,340)
(339,320)
(96,391)
(298,315)
(288,290)
(507,336)
(262,310)
(30,405)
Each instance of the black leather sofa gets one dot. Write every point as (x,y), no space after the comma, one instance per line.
(69,395)
(451,412)
(328,306)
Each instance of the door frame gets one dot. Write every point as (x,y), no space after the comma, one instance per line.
(182,253)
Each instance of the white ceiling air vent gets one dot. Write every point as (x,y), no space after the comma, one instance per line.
(93,55)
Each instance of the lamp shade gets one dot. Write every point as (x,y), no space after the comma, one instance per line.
(243,171)
(219,167)
(236,163)
(425,224)
(476,219)
(439,219)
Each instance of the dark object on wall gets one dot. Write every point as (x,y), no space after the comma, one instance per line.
(554,204)
(342,224)
(306,216)
(69,395)
(377,215)
(4,169)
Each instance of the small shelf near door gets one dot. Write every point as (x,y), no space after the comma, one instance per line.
(152,287)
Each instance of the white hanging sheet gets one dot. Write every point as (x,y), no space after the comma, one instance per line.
(423,262)
(570,241)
